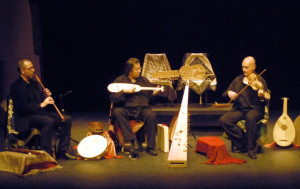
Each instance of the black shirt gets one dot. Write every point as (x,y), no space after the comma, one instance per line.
(136,99)
(26,96)
(248,99)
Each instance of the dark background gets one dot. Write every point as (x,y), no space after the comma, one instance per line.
(86,43)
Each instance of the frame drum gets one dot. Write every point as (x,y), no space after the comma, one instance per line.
(92,147)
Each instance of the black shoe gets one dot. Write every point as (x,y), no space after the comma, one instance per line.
(151,151)
(252,155)
(134,155)
(137,145)
(130,148)
(66,155)
(238,150)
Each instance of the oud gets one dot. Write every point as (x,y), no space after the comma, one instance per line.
(297,128)
(118,87)
(284,130)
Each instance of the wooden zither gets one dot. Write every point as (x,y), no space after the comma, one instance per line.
(178,151)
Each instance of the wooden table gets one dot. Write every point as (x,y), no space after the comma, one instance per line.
(193,108)
(200,115)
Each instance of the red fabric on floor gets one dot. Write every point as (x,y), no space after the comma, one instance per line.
(215,150)
(275,146)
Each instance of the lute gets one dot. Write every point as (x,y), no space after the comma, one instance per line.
(297,128)
(284,130)
(118,87)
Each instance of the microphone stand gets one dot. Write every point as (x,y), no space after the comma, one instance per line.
(63,108)
(61,103)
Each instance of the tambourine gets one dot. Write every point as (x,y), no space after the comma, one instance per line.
(92,147)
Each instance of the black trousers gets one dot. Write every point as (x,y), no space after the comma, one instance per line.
(123,115)
(238,137)
(48,123)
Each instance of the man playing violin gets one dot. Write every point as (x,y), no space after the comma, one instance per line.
(129,105)
(30,111)
(249,105)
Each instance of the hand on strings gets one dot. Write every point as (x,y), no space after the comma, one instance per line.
(48,100)
(232,95)
(261,93)
(156,91)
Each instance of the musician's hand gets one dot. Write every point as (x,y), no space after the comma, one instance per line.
(48,100)
(48,92)
(156,91)
(129,90)
(261,93)
(232,95)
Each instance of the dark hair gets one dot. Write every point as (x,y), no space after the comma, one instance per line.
(129,65)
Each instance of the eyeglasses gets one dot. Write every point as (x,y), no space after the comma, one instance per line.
(140,68)
(30,68)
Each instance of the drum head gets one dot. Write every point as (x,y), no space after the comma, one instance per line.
(92,146)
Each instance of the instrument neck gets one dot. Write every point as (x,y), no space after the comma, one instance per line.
(148,88)
(285,105)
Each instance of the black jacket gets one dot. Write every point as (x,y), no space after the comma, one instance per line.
(137,99)
(248,99)
(26,99)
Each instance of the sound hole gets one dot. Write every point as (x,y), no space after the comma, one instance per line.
(284,127)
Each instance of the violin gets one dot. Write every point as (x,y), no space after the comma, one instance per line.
(252,81)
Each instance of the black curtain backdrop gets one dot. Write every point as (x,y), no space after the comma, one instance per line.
(85,43)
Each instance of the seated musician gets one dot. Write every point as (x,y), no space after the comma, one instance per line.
(129,105)
(248,105)
(30,111)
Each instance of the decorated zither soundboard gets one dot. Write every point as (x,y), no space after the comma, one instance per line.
(195,72)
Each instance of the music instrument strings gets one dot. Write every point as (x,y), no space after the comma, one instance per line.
(178,151)
(44,89)
(195,72)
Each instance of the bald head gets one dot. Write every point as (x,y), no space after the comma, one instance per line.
(22,64)
(26,69)
(248,65)
(250,60)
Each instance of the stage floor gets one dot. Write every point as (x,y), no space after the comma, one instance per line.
(275,168)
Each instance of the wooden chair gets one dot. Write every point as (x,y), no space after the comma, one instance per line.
(116,132)
(262,127)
